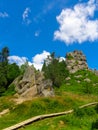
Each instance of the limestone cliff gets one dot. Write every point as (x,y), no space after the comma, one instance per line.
(75,61)
(32,83)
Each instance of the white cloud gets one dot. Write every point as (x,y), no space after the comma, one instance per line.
(4,15)
(38,59)
(25,16)
(18,60)
(62,59)
(77,24)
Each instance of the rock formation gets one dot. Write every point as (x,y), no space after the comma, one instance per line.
(75,61)
(32,83)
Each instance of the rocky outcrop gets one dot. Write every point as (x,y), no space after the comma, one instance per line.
(96,72)
(75,61)
(32,84)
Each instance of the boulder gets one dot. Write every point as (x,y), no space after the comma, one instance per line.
(32,83)
(87,80)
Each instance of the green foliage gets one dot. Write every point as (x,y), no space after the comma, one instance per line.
(87,88)
(8,72)
(55,70)
(6,103)
(77,83)
(3,79)
(24,67)
(4,55)
(66,122)
(12,72)
(96,108)
(10,91)
(84,112)
(95,125)
(7,75)
(69,57)
(79,112)
(37,106)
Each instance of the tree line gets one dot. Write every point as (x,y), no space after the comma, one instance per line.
(8,72)
(53,69)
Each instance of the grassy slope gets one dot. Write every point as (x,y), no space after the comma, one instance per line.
(67,97)
(69,122)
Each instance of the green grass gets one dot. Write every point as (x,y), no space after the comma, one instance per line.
(38,106)
(6,103)
(73,121)
(67,97)
(79,85)
(10,91)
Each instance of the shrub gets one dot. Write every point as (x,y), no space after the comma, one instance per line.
(79,112)
(10,90)
(96,108)
(95,125)
(87,88)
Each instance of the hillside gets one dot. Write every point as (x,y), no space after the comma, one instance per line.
(77,88)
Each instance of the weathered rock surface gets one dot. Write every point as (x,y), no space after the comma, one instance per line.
(96,72)
(75,61)
(87,80)
(33,84)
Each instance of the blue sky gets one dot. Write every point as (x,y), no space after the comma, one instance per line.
(32,29)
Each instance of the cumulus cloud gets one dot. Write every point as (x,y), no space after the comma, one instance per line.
(62,59)
(38,59)
(4,15)
(77,24)
(18,60)
(25,16)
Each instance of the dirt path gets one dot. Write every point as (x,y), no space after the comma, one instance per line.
(4,112)
(40,117)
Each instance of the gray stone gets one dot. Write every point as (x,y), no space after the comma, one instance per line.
(75,61)
(68,78)
(32,84)
(87,80)
(78,76)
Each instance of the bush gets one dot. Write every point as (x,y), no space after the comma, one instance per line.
(79,112)
(10,90)
(96,108)
(87,88)
(95,125)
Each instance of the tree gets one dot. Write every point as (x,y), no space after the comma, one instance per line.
(55,70)
(5,54)
(12,72)
(8,72)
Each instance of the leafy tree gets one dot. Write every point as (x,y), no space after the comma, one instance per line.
(8,72)
(24,67)
(12,72)
(55,70)
(5,54)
